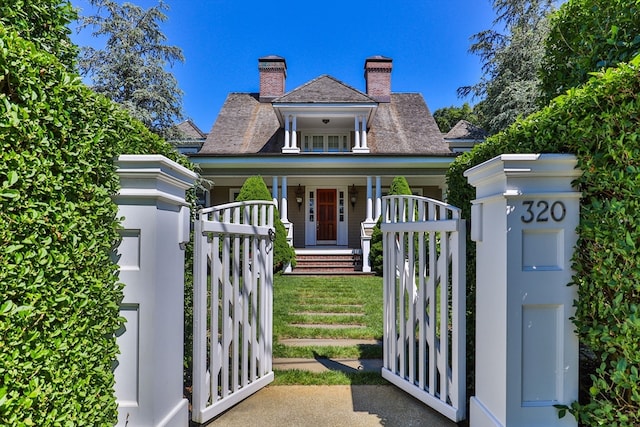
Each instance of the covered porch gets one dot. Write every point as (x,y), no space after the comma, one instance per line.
(328,204)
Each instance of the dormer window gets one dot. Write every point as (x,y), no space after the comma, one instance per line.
(324,116)
(325,143)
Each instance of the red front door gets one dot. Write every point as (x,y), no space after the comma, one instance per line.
(327,223)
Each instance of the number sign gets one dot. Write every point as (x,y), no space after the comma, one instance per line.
(543,211)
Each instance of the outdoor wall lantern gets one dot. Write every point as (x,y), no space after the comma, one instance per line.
(299,196)
(353,195)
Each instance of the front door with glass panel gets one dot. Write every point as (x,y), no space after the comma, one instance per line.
(326,224)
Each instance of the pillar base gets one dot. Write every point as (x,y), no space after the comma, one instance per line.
(179,416)
(360,150)
(291,150)
(480,416)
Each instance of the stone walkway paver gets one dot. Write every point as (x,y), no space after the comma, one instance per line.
(326,364)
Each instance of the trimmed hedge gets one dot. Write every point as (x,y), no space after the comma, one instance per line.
(254,188)
(59,290)
(399,186)
(600,123)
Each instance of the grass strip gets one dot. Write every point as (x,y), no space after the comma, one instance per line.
(363,351)
(298,377)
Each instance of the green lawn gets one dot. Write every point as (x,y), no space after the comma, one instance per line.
(297,298)
(317,300)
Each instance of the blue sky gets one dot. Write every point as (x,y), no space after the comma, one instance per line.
(222,40)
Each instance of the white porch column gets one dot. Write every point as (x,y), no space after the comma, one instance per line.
(287,135)
(290,135)
(524,221)
(366,230)
(363,139)
(294,133)
(369,201)
(284,211)
(274,190)
(361,135)
(378,210)
(283,203)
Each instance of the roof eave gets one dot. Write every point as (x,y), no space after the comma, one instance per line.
(357,164)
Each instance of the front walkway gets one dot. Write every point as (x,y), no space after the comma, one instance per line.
(331,406)
(334,406)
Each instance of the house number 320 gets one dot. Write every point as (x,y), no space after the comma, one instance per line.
(542,210)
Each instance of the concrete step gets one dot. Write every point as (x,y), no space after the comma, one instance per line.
(325,326)
(326,342)
(313,313)
(327,262)
(326,364)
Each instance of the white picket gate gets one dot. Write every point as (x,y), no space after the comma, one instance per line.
(233,305)
(424,301)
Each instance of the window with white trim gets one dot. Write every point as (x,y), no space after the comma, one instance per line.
(326,143)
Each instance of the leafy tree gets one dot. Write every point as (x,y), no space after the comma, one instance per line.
(447,117)
(586,36)
(254,188)
(511,60)
(43,22)
(131,69)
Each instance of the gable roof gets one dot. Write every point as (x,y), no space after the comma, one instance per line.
(467,131)
(324,89)
(188,130)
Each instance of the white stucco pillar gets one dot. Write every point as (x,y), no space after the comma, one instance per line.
(283,202)
(369,201)
(274,190)
(524,221)
(149,373)
(378,210)
(356,128)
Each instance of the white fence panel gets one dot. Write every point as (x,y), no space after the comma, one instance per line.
(233,305)
(424,301)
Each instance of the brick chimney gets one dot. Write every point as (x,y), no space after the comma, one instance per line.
(377,76)
(273,73)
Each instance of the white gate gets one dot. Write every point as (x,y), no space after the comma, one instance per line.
(424,301)
(233,304)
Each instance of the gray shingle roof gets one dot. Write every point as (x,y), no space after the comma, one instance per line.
(324,89)
(403,126)
(466,130)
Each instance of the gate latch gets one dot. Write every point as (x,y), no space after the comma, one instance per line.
(272,235)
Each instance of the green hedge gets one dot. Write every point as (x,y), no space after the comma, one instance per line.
(254,188)
(59,290)
(600,123)
(399,186)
